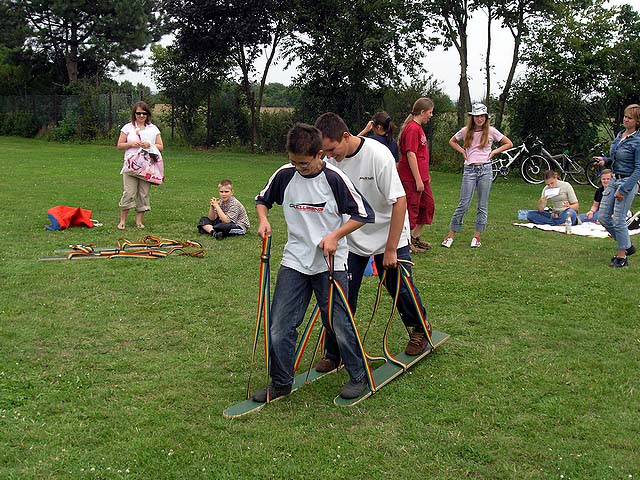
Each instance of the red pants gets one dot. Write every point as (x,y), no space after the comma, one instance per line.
(420,205)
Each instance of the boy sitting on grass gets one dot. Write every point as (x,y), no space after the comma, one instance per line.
(227,216)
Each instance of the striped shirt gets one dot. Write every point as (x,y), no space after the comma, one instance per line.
(236,212)
(313,207)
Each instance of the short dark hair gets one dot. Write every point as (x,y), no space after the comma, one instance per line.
(549,174)
(304,139)
(332,126)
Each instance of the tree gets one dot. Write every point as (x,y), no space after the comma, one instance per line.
(455,16)
(188,83)
(238,30)
(350,50)
(89,37)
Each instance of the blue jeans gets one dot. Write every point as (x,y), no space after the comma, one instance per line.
(545,218)
(357,265)
(474,177)
(617,225)
(290,301)
(594,219)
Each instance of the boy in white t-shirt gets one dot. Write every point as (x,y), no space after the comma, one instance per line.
(315,198)
(372,168)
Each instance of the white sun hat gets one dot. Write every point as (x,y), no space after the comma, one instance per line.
(478,109)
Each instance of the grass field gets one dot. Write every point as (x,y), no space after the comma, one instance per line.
(116,369)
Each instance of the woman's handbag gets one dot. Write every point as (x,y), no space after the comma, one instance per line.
(146,164)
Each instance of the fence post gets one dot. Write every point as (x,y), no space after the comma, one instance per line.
(173,118)
(110,106)
(208,119)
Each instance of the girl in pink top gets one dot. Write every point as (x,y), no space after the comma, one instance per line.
(477,151)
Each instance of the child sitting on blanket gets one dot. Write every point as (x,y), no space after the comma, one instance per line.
(227,216)
(592,214)
(563,200)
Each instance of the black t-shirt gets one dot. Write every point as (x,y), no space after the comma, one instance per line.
(597,197)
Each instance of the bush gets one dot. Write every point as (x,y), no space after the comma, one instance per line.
(66,130)
(22,124)
(273,130)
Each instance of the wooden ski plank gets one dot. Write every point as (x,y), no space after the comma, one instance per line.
(249,406)
(389,371)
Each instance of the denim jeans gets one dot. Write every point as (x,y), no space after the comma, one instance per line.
(617,226)
(290,301)
(594,219)
(545,218)
(357,265)
(474,177)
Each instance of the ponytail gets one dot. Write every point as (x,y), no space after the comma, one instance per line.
(423,103)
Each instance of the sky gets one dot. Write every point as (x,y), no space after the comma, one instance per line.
(444,65)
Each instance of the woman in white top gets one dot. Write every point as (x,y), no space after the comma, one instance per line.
(477,150)
(139,133)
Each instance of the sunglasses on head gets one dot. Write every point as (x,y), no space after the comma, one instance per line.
(142,113)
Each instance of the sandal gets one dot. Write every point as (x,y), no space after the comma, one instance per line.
(121,226)
(140,226)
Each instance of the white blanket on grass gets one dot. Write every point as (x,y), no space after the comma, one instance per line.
(586,229)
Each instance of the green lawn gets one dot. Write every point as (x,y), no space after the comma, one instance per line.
(121,368)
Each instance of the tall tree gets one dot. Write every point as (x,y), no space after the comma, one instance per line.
(455,15)
(90,36)
(241,30)
(347,49)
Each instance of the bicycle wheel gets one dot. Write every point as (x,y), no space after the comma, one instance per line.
(577,172)
(533,168)
(593,170)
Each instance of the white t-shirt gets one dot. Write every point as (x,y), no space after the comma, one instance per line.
(147,134)
(313,207)
(372,169)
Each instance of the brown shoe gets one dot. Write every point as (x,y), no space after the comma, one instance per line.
(418,242)
(417,343)
(415,249)
(326,365)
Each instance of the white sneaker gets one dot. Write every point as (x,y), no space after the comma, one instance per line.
(475,243)
(447,242)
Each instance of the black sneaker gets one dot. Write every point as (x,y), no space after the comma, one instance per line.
(274,392)
(617,262)
(217,235)
(353,389)
(631,250)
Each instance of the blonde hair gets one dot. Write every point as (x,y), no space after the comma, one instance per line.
(423,103)
(471,128)
(633,111)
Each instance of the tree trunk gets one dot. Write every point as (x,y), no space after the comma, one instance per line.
(71,57)
(517,39)
(487,97)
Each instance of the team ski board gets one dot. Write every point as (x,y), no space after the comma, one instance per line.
(248,406)
(388,371)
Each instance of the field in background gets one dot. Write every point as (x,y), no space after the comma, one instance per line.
(121,368)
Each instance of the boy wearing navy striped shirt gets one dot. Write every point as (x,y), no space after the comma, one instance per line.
(316,199)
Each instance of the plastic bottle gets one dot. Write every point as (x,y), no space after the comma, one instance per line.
(567,225)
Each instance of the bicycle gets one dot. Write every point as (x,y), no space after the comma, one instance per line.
(594,170)
(501,164)
(535,166)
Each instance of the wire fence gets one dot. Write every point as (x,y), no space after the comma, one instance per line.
(96,112)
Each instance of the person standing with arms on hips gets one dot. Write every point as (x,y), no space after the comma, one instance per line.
(413,169)
(140,133)
(617,198)
(371,167)
(478,138)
